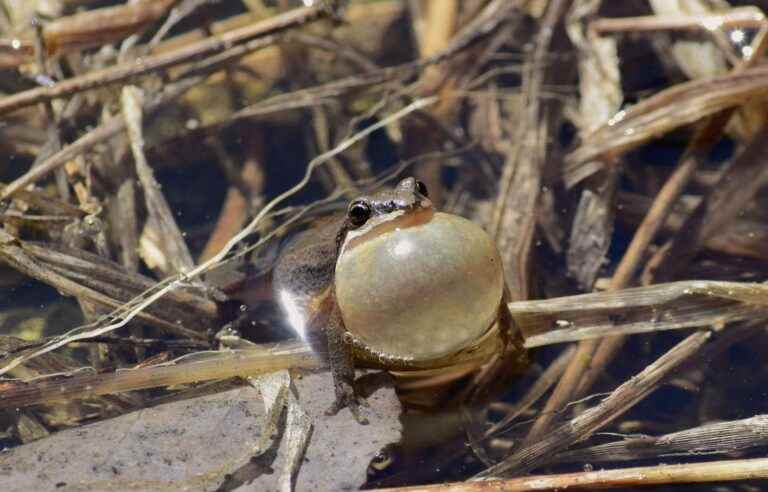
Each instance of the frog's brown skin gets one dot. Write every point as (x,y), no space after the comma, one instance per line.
(304,277)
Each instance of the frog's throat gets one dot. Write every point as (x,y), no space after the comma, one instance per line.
(400,219)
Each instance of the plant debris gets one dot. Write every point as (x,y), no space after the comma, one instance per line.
(161,154)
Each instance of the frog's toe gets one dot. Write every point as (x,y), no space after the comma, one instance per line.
(347,397)
(354,407)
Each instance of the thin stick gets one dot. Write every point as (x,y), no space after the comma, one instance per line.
(171,240)
(749,17)
(149,64)
(713,471)
(584,425)
(106,130)
(212,366)
(537,390)
(563,392)
(594,355)
(555,11)
(725,438)
(193,76)
(707,134)
(602,352)
(140,303)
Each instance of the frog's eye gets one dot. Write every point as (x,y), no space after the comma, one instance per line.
(359,212)
(422,189)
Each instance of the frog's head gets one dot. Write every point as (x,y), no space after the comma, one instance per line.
(406,204)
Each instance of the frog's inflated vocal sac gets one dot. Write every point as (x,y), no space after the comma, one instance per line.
(396,285)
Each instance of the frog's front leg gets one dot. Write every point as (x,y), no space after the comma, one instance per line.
(341,358)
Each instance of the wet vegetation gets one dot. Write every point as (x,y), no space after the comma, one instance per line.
(159,153)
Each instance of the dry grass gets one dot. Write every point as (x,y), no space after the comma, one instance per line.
(614,151)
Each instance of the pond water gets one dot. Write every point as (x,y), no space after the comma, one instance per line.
(421,189)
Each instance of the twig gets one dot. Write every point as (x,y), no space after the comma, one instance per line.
(203,366)
(245,187)
(525,167)
(158,343)
(749,17)
(22,257)
(518,192)
(190,78)
(713,471)
(595,355)
(137,305)
(671,108)
(584,425)
(209,46)
(735,188)
(658,307)
(537,390)
(487,21)
(717,438)
(106,130)
(170,241)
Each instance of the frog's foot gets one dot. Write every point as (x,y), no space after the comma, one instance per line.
(346,396)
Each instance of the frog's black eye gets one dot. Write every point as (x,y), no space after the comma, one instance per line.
(358,213)
(422,189)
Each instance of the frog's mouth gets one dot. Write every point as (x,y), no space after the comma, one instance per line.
(401,219)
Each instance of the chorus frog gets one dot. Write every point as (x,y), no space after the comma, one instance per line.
(395,284)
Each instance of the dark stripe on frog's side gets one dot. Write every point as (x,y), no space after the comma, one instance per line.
(306,266)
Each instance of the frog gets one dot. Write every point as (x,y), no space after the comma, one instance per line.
(394,284)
